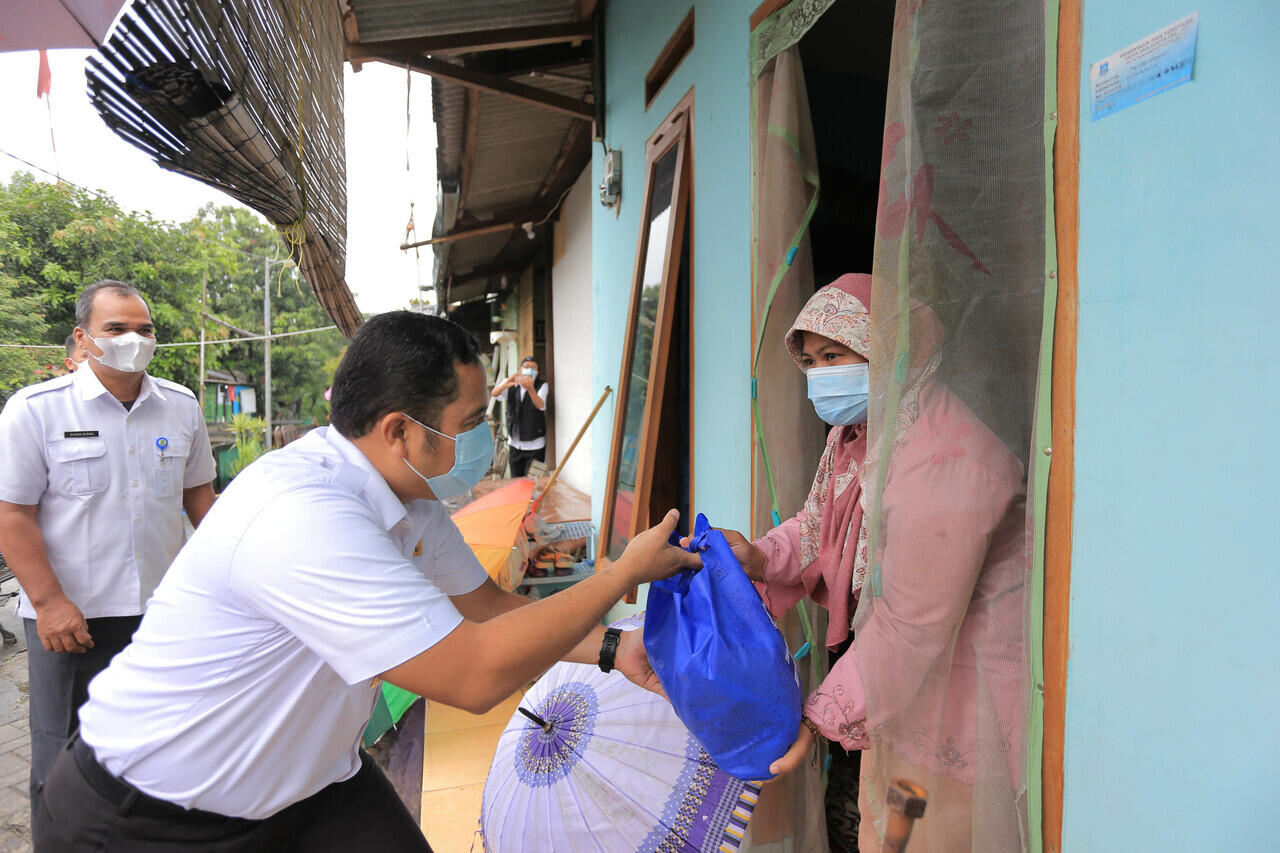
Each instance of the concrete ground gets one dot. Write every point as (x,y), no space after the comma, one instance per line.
(15,739)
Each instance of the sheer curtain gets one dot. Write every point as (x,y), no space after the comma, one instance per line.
(942,632)
(788,437)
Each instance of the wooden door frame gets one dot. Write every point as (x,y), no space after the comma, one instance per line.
(1061,497)
(764,10)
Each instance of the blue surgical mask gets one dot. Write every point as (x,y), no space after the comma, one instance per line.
(839,393)
(472,453)
(529,371)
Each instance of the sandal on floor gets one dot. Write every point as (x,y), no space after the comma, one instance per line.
(542,566)
(564,564)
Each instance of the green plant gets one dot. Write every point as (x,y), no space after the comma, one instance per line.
(248,432)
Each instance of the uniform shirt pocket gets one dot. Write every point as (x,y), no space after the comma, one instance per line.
(168,467)
(78,466)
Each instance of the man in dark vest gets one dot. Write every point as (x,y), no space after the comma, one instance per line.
(526,416)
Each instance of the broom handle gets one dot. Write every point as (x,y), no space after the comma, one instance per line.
(608,389)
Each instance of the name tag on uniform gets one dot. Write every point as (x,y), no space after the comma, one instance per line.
(81,433)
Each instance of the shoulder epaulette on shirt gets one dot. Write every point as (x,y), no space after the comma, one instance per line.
(294,467)
(173,386)
(55,384)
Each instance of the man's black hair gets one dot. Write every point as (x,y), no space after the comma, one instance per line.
(527,359)
(400,361)
(84,302)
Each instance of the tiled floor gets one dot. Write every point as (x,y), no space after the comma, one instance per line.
(456,757)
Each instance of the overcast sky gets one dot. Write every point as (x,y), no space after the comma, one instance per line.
(378,188)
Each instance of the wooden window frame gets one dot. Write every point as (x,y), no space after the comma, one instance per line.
(669,58)
(676,131)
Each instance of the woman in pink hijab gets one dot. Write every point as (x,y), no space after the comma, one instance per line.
(935,669)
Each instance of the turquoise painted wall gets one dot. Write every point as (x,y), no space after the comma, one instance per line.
(635,33)
(1173,695)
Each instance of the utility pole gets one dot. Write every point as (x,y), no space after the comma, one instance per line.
(204,306)
(266,342)
(266,350)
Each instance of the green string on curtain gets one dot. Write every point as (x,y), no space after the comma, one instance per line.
(793,249)
(776,33)
(1042,438)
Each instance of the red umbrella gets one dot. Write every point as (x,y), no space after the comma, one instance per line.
(48,24)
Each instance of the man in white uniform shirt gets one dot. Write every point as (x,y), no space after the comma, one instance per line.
(526,416)
(95,469)
(233,721)
(75,354)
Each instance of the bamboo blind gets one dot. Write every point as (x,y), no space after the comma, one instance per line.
(245,96)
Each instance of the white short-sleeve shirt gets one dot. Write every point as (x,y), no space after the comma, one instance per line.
(252,677)
(107,482)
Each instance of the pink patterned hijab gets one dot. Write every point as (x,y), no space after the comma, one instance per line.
(833,532)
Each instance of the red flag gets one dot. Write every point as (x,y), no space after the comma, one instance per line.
(44,78)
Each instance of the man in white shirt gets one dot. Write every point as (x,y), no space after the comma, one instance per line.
(526,416)
(96,467)
(233,721)
(75,354)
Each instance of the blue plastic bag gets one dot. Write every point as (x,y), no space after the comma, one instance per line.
(722,661)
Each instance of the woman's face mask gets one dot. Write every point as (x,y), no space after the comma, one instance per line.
(839,393)
(472,453)
(529,371)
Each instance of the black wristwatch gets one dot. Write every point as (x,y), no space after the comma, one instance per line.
(609,648)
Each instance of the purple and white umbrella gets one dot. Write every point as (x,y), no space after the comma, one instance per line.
(592,762)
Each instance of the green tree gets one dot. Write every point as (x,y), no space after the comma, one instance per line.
(20,321)
(55,239)
(299,368)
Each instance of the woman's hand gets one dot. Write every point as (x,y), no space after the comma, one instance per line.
(751,557)
(794,756)
(633,661)
(648,557)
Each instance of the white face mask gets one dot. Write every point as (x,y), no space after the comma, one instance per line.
(128,353)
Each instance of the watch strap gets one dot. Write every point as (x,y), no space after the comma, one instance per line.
(609,648)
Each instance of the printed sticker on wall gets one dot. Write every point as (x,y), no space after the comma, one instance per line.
(1145,68)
